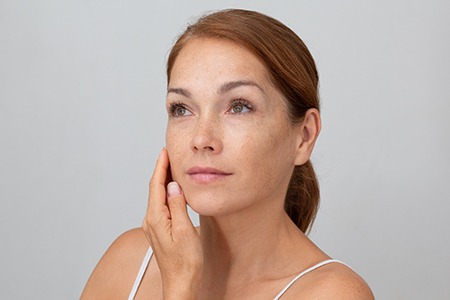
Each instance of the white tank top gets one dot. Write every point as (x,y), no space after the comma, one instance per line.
(149,253)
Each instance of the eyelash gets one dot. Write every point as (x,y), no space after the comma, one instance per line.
(240,102)
(173,107)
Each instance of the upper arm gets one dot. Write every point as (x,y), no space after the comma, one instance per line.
(116,271)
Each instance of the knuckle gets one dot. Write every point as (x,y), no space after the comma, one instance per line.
(182,231)
(152,184)
(176,203)
(149,222)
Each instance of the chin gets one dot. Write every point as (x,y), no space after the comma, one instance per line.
(207,203)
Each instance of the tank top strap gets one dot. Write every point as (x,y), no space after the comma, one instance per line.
(325,262)
(140,274)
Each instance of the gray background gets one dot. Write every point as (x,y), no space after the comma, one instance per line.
(82,119)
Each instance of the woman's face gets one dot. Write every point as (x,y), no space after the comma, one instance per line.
(230,144)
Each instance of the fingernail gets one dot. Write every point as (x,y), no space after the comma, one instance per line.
(173,189)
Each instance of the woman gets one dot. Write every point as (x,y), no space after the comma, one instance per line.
(243,111)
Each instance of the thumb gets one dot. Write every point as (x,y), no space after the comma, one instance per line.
(177,206)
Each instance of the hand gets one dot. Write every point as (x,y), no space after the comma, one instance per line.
(175,241)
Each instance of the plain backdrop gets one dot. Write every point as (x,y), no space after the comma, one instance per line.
(82,119)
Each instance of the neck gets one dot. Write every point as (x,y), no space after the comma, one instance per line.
(256,245)
(247,243)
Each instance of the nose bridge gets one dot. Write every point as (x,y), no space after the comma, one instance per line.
(207,134)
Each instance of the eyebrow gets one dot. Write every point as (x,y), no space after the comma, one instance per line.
(182,92)
(226,87)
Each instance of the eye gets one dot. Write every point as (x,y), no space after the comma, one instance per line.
(178,110)
(240,106)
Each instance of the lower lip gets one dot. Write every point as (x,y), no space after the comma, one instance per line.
(207,177)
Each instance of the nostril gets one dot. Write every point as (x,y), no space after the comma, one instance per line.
(206,139)
(207,148)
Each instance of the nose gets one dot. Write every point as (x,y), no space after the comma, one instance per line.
(207,136)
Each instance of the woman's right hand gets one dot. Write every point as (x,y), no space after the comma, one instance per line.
(174,240)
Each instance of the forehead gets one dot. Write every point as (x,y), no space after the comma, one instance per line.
(216,59)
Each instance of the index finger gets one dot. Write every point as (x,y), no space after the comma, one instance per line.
(157,188)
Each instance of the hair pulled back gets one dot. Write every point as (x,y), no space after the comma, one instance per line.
(291,69)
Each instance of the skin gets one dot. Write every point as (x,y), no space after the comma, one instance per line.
(246,246)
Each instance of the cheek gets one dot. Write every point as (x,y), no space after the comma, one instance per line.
(271,151)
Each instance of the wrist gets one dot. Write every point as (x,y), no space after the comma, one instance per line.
(182,288)
(187,292)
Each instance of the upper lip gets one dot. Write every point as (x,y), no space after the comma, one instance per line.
(206,170)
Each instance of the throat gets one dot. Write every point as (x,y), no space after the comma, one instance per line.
(232,251)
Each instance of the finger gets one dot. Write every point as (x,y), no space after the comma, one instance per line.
(157,221)
(157,188)
(178,209)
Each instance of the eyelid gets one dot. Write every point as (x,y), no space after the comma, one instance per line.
(240,101)
(173,106)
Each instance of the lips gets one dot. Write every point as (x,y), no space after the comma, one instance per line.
(206,174)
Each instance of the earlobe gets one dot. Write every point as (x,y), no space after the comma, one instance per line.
(308,132)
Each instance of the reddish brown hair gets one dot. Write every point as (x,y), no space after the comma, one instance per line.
(292,71)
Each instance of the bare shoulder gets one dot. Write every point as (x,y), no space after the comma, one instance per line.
(332,281)
(116,271)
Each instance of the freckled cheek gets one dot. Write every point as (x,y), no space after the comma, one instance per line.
(253,150)
(272,150)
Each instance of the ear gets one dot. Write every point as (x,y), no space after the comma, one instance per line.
(308,132)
